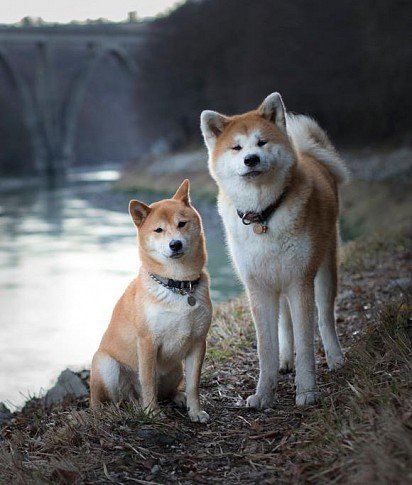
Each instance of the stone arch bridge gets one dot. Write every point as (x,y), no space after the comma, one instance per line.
(51,122)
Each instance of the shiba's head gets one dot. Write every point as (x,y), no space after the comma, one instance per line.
(170,232)
(251,149)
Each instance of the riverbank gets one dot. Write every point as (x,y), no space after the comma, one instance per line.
(69,256)
(360,432)
(378,196)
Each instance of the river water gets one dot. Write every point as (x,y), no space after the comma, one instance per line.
(66,255)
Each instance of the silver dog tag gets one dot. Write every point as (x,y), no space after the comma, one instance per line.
(191,300)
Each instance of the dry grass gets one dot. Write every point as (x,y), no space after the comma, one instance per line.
(361,432)
(369,206)
(365,253)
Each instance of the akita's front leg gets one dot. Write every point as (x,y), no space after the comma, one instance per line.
(302,301)
(147,359)
(193,368)
(265,311)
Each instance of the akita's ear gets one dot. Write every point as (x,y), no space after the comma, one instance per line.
(182,192)
(212,125)
(138,211)
(274,110)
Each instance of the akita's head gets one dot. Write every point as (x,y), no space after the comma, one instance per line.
(251,149)
(170,232)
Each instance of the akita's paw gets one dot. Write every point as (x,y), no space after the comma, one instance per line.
(335,362)
(199,416)
(286,366)
(307,398)
(260,401)
(180,399)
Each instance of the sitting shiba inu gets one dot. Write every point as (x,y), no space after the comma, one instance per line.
(164,315)
(278,177)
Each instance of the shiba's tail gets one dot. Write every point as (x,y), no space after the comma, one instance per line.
(308,137)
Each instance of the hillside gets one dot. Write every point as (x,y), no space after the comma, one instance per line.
(361,431)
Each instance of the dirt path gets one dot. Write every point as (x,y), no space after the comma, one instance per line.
(70,445)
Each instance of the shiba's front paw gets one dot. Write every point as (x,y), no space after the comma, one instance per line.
(307,398)
(180,399)
(260,401)
(199,416)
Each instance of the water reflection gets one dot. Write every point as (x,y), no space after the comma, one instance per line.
(66,255)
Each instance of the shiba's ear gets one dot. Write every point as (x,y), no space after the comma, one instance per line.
(138,211)
(274,110)
(212,125)
(182,192)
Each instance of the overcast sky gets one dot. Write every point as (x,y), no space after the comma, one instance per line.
(12,11)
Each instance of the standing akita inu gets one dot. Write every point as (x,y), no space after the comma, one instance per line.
(163,316)
(278,197)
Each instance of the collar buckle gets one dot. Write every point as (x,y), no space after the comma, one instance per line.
(245,219)
(260,220)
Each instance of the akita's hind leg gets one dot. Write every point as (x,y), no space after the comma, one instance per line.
(286,355)
(325,294)
(104,379)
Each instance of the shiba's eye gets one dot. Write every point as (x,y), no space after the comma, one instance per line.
(237,148)
(261,143)
(181,224)
(159,229)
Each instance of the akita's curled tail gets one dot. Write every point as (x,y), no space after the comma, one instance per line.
(308,137)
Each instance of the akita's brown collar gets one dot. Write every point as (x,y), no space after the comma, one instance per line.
(185,287)
(260,219)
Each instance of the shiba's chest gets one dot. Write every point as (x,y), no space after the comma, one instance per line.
(174,324)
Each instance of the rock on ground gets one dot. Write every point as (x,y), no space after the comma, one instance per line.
(68,384)
(5,412)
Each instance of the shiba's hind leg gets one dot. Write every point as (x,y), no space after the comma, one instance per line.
(286,354)
(111,381)
(104,379)
(325,294)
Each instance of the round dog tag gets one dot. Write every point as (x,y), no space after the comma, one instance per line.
(259,228)
(191,300)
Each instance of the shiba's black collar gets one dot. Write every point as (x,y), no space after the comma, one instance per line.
(260,218)
(183,287)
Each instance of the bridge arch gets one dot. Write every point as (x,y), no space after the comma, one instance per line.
(29,112)
(75,99)
(124,58)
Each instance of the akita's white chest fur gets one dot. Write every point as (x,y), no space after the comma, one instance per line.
(275,256)
(173,323)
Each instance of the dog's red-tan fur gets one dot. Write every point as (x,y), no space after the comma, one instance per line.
(153,330)
(292,266)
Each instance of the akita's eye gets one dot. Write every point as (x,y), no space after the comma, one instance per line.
(261,143)
(159,229)
(237,148)
(181,224)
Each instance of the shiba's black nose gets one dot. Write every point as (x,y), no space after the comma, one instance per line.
(175,245)
(252,160)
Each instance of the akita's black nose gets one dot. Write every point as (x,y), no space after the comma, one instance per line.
(252,160)
(175,245)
